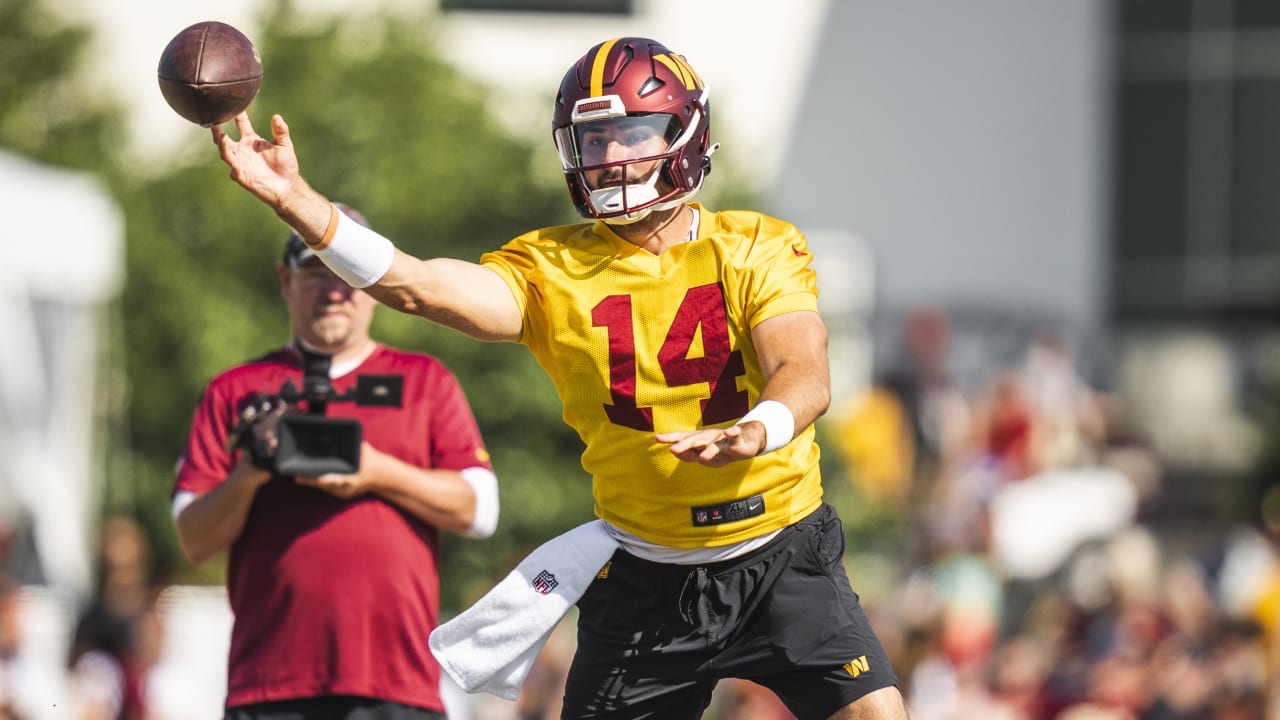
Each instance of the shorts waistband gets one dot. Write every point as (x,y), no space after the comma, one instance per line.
(784,539)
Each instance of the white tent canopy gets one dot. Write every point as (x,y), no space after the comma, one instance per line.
(63,248)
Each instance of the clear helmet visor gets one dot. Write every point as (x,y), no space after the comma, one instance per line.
(617,141)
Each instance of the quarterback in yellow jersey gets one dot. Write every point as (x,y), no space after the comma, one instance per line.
(669,348)
(688,352)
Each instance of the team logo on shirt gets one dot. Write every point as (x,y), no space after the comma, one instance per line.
(545,583)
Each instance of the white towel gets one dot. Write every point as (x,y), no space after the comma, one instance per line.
(490,647)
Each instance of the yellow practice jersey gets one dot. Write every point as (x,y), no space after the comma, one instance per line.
(638,344)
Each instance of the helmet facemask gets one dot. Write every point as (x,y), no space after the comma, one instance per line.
(621,164)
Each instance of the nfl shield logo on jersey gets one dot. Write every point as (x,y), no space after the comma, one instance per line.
(545,582)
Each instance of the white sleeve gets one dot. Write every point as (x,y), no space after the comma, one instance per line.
(485,485)
(181,500)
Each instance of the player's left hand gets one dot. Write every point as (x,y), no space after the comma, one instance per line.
(341,486)
(715,447)
(346,486)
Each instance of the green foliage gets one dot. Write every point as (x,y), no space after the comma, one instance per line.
(47,110)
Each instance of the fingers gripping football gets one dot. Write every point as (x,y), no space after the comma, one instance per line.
(268,168)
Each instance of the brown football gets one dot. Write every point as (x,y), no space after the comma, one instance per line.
(209,73)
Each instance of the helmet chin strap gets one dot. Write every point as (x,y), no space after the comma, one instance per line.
(611,199)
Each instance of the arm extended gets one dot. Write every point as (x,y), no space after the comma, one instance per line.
(457,294)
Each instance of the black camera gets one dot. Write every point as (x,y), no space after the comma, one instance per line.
(311,443)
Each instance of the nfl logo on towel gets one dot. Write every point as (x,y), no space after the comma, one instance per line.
(545,582)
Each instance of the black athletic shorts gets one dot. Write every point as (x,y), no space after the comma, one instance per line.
(653,638)
(331,707)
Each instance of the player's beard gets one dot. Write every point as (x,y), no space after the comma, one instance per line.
(629,175)
(611,176)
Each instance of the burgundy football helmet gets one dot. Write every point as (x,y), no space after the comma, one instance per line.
(638,88)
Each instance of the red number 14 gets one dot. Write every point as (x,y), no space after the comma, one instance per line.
(703,306)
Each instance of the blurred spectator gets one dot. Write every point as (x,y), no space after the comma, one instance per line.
(10,648)
(1019,670)
(1012,433)
(874,435)
(1247,570)
(1088,618)
(933,399)
(1069,409)
(116,638)
(912,424)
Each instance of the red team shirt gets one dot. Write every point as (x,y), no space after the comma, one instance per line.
(332,596)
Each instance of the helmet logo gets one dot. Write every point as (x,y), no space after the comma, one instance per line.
(594,108)
(681,68)
(590,107)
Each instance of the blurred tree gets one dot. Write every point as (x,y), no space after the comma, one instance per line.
(49,110)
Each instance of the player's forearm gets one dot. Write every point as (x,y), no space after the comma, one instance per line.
(464,296)
(461,295)
(440,498)
(306,211)
(804,389)
(214,520)
(793,354)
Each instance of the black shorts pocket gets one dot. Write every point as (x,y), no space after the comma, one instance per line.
(828,542)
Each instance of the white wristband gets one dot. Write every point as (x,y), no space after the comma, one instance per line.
(779,423)
(357,254)
(485,485)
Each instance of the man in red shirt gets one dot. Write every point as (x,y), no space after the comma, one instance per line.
(333,580)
